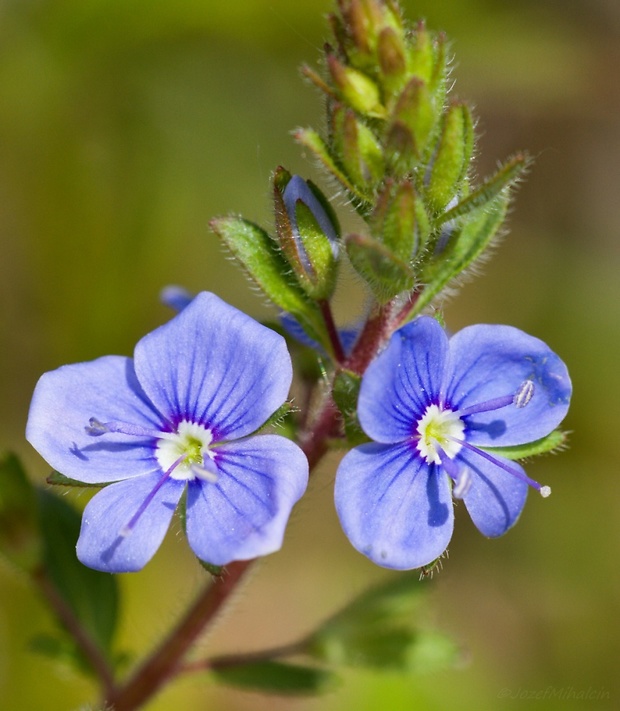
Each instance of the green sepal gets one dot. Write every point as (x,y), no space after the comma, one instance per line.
(311,140)
(553,442)
(276,678)
(20,538)
(465,246)
(412,125)
(58,479)
(345,392)
(358,148)
(383,629)
(483,195)
(395,220)
(391,53)
(384,272)
(260,257)
(91,595)
(215,570)
(421,54)
(452,157)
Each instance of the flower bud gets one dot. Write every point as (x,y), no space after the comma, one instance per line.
(452,156)
(358,149)
(356,88)
(308,233)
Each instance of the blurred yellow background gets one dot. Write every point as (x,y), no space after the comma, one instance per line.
(126,124)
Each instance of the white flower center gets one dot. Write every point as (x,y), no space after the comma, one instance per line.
(191,442)
(438,429)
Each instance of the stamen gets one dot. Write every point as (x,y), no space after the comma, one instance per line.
(543,490)
(462,485)
(96,428)
(521,398)
(128,527)
(460,475)
(207,472)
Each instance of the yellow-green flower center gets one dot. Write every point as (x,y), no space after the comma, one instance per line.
(189,444)
(439,429)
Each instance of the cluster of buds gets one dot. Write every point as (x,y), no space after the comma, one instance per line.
(399,150)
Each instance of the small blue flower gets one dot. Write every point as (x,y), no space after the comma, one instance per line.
(435,407)
(179,416)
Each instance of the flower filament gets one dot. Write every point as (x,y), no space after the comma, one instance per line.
(440,436)
(183,455)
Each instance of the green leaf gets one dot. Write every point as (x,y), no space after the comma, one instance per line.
(385,273)
(277,678)
(91,595)
(345,392)
(259,256)
(465,246)
(554,441)
(58,479)
(20,539)
(483,195)
(382,629)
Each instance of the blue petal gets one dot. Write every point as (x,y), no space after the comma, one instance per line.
(348,336)
(63,402)
(403,380)
(100,544)
(393,507)
(214,365)
(243,515)
(493,361)
(495,497)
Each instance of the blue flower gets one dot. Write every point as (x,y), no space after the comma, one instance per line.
(178,417)
(435,407)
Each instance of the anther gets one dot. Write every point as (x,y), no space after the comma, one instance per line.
(96,428)
(545,491)
(207,472)
(524,394)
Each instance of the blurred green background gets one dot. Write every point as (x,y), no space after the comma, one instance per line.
(126,124)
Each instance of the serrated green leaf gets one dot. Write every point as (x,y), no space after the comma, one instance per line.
(20,538)
(384,272)
(554,441)
(277,678)
(91,595)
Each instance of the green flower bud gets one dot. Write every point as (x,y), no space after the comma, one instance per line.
(308,233)
(452,157)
